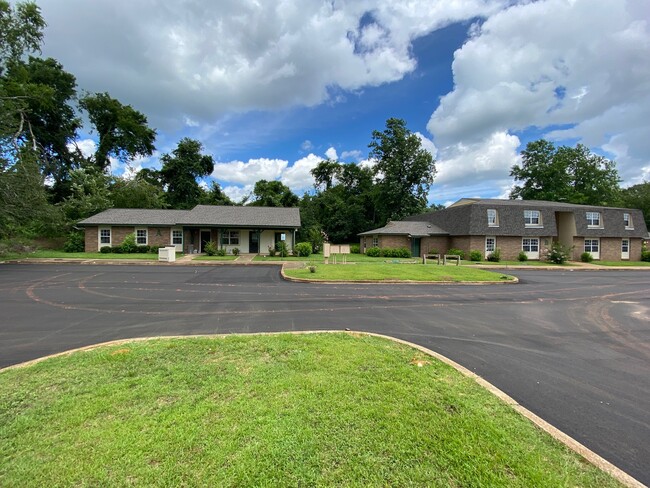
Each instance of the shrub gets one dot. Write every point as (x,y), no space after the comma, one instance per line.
(154,249)
(457,252)
(494,256)
(235,251)
(522,256)
(303,249)
(221,252)
(645,256)
(558,253)
(312,269)
(586,257)
(281,248)
(355,249)
(75,242)
(129,245)
(373,252)
(117,249)
(210,248)
(475,255)
(142,249)
(105,250)
(271,251)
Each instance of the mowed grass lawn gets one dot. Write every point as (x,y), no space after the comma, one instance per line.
(51,254)
(282,410)
(396,271)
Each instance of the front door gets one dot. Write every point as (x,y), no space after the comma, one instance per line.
(415,247)
(205,238)
(253,242)
(625,249)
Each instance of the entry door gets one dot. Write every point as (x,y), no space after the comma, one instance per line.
(205,238)
(625,249)
(253,242)
(415,247)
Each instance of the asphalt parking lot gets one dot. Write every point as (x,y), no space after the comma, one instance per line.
(573,347)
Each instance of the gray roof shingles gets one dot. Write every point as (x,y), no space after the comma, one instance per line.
(201,215)
(415,229)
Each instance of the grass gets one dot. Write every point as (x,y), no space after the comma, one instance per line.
(339,258)
(285,410)
(50,254)
(621,263)
(385,271)
(214,258)
(515,263)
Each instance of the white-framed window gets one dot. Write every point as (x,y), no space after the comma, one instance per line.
(625,246)
(592,245)
(593,219)
(490,245)
(230,238)
(530,245)
(492,218)
(105,237)
(375,241)
(141,237)
(627,219)
(532,218)
(177,237)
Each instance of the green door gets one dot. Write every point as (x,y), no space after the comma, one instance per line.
(415,246)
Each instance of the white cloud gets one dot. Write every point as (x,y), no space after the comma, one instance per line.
(428,145)
(298,177)
(332,154)
(307,145)
(237,193)
(250,172)
(207,59)
(354,154)
(86,146)
(581,63)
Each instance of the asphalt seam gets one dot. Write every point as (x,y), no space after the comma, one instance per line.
(542,424)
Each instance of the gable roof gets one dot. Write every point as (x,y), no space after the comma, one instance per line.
(409,228)
(201,215)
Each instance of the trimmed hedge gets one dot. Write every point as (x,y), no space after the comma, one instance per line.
(388,252)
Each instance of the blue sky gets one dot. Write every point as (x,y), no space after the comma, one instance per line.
(272,88)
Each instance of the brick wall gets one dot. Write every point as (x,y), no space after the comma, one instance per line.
(91,239)
(394,241)
(159,236)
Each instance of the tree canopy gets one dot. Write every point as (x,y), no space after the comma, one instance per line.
(565,174)
(273,194)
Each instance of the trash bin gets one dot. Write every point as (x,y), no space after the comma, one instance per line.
(167,254)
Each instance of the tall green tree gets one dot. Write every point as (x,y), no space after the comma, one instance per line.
(122,131)
(136,192)
(180,171)
(216,196)
(273,194)
(89,194)
(404,171)
(21,31)
(638,196)
(565,174)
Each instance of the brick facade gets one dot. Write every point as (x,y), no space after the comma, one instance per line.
(610,248)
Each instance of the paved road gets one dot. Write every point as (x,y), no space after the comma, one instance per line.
(573,347)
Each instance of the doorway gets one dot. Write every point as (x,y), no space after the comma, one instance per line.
(415,247)
(205,238)
(254,242)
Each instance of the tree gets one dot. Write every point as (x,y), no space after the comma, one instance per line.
(179,172)
(325,173)
(136,192)
(638,196)
(273,194)
(216,196)
(404,171)
(21,31)
(565,174)
(123,131)
(89,193)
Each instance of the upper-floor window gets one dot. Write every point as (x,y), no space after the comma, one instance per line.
(593,219)
(141,237)
(627,218)
(532,218)
(492,217)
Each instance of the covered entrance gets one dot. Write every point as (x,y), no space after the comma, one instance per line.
(254,242)
(415,246)
(205,238)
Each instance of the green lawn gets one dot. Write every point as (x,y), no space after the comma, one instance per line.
(514,263)
(386,271)
(45,253)
(621,263)
(215,258)
(284,410)
(338,258)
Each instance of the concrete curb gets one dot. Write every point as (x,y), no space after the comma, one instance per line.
(554,432)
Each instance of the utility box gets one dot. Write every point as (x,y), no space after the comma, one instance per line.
(167,254)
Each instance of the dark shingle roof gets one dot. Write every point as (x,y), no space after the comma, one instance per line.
(410,228)
(202,215)
(135,216)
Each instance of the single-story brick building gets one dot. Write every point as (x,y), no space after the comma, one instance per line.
(513,226)
(250,229)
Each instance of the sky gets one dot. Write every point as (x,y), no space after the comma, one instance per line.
(271,88)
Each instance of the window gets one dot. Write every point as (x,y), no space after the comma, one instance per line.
(591,245)
(375,241)
(141,237)
(230,237)
(177,237)
(530,245)
(104,237)
(490,245)
(593,219)
(492,218)
(625,246)
(532,218)
(627,218)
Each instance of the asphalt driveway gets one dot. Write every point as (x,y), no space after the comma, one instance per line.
(573,347)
